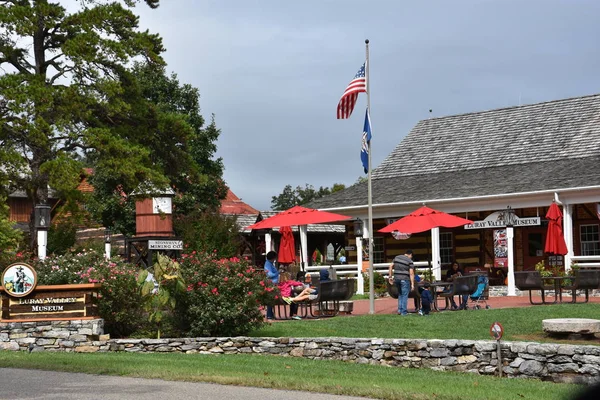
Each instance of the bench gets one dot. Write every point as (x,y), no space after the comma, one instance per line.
(331,293)
(532,280)
(583,279)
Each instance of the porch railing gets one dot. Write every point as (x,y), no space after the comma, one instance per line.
(587,261)
(350,271)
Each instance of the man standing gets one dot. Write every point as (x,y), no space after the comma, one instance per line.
(402,274)
(273,276)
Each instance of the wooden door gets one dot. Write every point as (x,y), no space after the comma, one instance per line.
(534,240)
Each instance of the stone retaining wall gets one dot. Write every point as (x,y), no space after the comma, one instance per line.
(554,362)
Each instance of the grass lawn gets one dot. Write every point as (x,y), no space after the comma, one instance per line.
(296,374)
(520,324)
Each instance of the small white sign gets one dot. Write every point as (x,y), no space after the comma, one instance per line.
(165,244)
(350,248)
(161,205)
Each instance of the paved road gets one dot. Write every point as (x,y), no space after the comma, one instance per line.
(21,384)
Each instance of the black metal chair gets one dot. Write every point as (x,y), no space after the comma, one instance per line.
(532,280)
(583,279)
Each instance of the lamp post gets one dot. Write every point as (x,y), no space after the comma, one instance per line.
(42,223)
(107,238)
(358,234)
(510,219)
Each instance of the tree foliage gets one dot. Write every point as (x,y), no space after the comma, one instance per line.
(301,195)
(69,98)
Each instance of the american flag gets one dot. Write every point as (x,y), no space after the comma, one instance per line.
(348,100)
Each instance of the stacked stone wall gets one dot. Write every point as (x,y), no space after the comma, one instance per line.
(553,362)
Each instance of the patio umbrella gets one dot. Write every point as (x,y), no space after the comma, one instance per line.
(287,247)
(298,215)
(424,219)
(555,241)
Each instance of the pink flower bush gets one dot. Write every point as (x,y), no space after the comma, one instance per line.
(224,296)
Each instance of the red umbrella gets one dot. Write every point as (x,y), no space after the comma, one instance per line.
(555,241)
(287,247)
(424,219)
(298,215)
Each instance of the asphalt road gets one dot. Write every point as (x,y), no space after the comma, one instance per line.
(33,384)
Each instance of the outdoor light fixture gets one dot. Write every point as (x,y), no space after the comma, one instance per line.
(42,216)
(107,235)
(358,228)
(509,217)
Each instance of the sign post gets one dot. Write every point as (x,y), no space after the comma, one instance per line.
(496,330)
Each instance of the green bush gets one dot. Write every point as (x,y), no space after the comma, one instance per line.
(379,281)
(209,232)
(61,237)
(120,301)
(224,297)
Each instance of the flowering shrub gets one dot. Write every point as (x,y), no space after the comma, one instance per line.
(224,297)
(119,303)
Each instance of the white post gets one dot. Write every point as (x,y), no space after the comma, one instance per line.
(568,234)
(107,250)
(304,245)
(436,261)
(268,243)
(360,281)
(42,242)
(510,234)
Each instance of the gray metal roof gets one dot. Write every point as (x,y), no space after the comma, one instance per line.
(545,146)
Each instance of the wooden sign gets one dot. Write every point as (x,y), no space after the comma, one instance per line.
(52,302)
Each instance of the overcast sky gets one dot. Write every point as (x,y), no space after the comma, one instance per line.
(272,72)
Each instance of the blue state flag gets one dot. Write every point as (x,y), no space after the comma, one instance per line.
(366,139)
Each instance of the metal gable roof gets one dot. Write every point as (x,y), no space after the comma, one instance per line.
(545,146)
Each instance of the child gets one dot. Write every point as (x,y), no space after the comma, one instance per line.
(309,292)
(426,297)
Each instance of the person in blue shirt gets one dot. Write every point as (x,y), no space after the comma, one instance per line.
(273,275)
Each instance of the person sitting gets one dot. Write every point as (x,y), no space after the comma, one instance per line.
(454,272)
(324,275)
(309,293)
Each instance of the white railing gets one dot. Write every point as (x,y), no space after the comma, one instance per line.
(350,271)
(586,261)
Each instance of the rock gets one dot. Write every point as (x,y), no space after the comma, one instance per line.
(567,326)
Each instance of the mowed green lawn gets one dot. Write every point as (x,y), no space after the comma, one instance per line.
(519,324)
(295,374)
(339,377)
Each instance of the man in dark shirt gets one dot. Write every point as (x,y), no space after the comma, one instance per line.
(402,274)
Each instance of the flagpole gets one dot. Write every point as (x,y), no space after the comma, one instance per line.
(370,203)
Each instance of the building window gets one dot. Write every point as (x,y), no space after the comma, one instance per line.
(446,253)
(378,250)
(590,240)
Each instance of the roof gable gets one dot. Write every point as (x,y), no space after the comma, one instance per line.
(540,132)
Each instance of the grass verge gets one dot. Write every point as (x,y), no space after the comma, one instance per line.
(334,377)
(519,324)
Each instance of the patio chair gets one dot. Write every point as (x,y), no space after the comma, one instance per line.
(583,279)
(532,280)
(461,285)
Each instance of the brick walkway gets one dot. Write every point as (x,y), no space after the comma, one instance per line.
(389,305)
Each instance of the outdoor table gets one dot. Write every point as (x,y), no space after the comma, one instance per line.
(557,291)
(434,291)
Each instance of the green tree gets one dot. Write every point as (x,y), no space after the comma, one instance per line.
(62,93)
(168,115)
(301,195)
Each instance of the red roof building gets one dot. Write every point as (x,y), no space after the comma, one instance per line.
(232,205)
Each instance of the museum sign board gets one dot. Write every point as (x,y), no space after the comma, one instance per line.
(23,300)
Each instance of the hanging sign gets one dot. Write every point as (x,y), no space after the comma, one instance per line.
(495,220)
(165,244)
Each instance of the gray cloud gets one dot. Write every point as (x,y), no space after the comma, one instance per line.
(273,72)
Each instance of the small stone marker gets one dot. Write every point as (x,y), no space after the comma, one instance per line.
(585,328)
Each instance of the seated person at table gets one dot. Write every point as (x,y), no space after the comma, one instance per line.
(454,272)
(309,292)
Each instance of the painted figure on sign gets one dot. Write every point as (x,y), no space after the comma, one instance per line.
(19,281)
